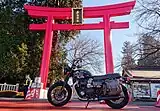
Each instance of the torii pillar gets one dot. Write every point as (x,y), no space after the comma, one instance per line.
(51,14)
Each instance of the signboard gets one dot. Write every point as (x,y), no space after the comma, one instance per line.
(154,88)
(77,16)
(37,80)
(141,90)
(36,85)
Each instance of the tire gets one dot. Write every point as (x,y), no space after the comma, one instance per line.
(65,101)
(123,103)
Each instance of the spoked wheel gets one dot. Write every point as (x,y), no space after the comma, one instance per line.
(119,103)
(59,94)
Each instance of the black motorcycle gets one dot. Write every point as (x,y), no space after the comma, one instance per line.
(107,87)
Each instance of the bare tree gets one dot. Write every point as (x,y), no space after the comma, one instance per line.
(148,51)
(88,50)
(148,18)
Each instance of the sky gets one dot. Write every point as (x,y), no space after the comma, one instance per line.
(119,36)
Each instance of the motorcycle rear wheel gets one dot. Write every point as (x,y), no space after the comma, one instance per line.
(58,99)
(123,101)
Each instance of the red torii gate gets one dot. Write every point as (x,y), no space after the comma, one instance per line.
(105,12)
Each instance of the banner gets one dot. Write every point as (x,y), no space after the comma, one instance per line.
(141,90)
(35,93)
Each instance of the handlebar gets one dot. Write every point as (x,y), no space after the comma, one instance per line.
(74,65)
(76,62)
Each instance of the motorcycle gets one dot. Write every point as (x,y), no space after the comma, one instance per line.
(109,87)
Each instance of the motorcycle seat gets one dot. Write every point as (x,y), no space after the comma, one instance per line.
(108,76)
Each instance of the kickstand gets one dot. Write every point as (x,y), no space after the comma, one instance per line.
(87,103)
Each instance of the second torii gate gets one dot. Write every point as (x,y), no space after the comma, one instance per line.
(51,14)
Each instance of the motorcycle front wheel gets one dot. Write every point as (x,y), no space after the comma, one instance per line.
(119,103)
(59,94)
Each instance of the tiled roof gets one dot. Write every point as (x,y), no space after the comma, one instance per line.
(147,68)
(144,73)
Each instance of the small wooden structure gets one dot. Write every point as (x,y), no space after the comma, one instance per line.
(145,82)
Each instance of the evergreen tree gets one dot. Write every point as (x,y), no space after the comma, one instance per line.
(128,51)
(21,49)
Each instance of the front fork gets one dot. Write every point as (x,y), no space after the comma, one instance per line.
(66,79)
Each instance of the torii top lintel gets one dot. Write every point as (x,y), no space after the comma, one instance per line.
(89,12)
